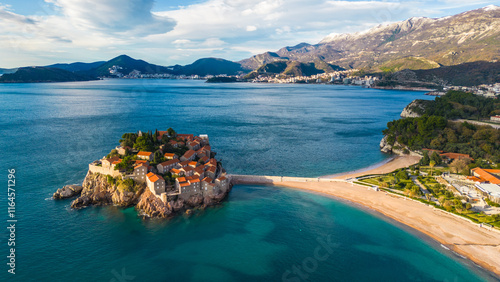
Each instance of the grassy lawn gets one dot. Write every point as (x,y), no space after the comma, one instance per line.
(438,191)
(482,218)
(385,181)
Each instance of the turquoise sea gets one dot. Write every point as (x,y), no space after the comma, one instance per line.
(50,132)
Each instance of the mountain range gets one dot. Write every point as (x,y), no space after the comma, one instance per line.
(414,44)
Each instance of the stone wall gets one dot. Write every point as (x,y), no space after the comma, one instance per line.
(262,179)
(104,170)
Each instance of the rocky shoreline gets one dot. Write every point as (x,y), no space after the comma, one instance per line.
(397,148)
(97,191)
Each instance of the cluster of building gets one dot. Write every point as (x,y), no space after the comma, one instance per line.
(203,177)
(487,182)
(117,72)
(487,90)
(330,77)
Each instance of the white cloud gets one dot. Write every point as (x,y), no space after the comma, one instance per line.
(131,17)
(182,42)
(212,42)
(95,30)
(251,28)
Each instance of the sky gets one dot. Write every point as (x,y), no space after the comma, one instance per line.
(42,32)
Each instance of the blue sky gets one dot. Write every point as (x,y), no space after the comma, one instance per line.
(40,32)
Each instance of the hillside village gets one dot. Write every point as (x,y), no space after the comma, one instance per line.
(171,165)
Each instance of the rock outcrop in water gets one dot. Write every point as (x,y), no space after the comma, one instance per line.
(96,190)
(68,191)
(393,146)
(396,148)
(410,111)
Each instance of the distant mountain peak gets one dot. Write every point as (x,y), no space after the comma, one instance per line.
(491,8)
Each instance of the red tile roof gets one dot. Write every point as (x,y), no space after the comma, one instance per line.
(140,165)
(143,153)
(192,177)
(455,156)
(169,155)
(154,177)
(181,179)
(189,154)
(185,136)
(486,176)
(187,168)
(111,160)
(184,184)
(207,179)
(170,162)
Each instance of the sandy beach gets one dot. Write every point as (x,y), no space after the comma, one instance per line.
(380,168)
(461,236)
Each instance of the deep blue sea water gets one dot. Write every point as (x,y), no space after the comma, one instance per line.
(50,132)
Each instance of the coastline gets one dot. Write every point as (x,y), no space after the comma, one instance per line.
(479,245)
(388,165)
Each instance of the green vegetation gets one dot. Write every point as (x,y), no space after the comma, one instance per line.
(149,142)
(491,203)
(433,131)
(412,63)
(126,163)
(128,139)
(127,185)
(111,180)
(459,105)
(420,72)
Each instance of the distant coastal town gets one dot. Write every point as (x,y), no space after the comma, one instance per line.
(341,77)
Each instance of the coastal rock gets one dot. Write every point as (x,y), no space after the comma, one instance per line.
(176,205)
(152,206)
(195,201)
(68,191)
(396,148)
(126,198)
(98,191)
(410,111)
(81,202)
(385,147)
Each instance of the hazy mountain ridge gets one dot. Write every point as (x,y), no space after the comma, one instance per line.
(78,66)
(208,66)
(43,74)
